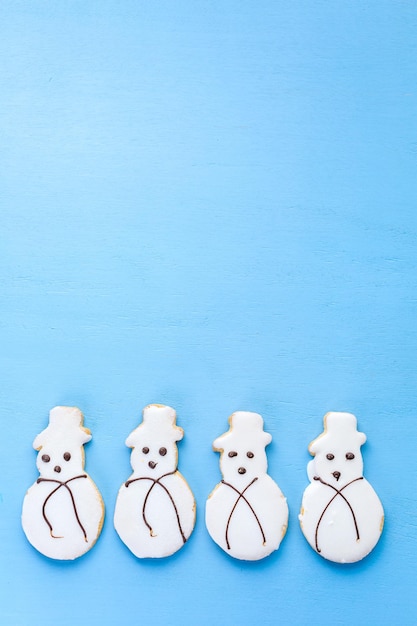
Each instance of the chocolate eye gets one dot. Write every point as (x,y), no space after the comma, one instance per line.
(330,457)
(250,455)
(46,458)
(145,450)
(232,454)
(67,456)
(162,451)
(350,456)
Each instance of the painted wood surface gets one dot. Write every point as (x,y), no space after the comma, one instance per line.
(209,205)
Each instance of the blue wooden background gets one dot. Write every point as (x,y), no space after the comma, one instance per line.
(211,205)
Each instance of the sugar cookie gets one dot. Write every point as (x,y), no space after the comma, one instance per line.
(155,508)
(63,511)
(246,513)
(341,515)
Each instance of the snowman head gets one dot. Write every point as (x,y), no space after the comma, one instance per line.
(242,448)
(337,453)
(154,442)
(60,445)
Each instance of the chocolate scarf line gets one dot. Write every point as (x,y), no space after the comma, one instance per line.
(234,508)
(338,493)
(62,484)
(156,481)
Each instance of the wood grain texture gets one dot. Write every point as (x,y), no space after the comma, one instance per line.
(210,206)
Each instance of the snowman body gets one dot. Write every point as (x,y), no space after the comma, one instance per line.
(155,508)
(155,516)
(246,513)
(341,515)
(63,511)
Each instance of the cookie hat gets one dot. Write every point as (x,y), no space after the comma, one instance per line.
(158,420)
(65,424)
(243,424)
(340,427)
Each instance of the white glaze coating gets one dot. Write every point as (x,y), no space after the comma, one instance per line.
(341,515)
(63,511)
(246,513)
(155,507)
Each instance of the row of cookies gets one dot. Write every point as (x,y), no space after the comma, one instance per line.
(246,513)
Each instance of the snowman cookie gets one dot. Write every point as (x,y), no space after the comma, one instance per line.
(63,511)
(341,515)
(155,507)
(246,513)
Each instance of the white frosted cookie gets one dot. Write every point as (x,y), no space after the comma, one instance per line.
(341,515)
(246,513)
(155,507)
(63,511)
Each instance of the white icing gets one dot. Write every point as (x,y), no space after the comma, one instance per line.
(246,514)
(63,511)
(341,515)
(155,507)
